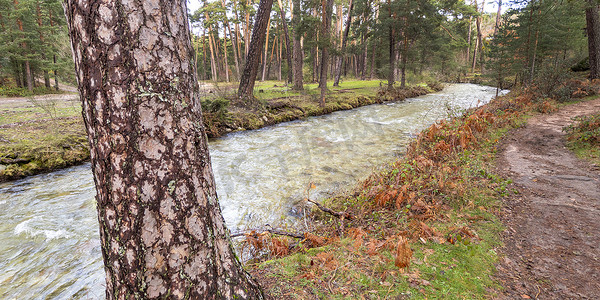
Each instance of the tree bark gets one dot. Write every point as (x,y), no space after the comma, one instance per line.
(340,59)
(288,51)
(298,53)
(212,48)
(327,6)
(266,50)
(498,17)
(26,66)
(392,40)
(593,33)
(246,88)
(161,230)
(477,42)
(233,42)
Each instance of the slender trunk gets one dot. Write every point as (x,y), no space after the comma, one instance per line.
(279,58)
(477,43)
(261,22)
(43,55)
(26,66)
(498,17)
(266,51)
(212,48)
(226,62)
(54,56)
(233,38)
(340,59)
(162,233)
(247,39)
(372,71)
(535,45)
(288,51)
(327,7)
(593,33)
(392,40)
(528,47)
(298,53)
(469,38)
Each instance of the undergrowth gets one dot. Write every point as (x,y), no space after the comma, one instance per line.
(423,227)
(583,137)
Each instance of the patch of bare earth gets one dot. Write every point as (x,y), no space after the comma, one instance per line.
(552,240)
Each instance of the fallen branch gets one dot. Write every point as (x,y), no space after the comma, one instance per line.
(339,214)
(269,230)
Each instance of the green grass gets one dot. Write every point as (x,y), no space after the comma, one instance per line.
(583,137)
(41,136)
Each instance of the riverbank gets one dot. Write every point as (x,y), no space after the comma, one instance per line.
(42,134)
(427,226)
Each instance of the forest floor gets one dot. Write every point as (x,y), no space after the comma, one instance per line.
(552,248)
(490,204)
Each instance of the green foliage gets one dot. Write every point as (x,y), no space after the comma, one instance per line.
(538,42)
(33,32)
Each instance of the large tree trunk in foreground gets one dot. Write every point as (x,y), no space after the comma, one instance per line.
(246,89)
(593,33)
(161,229)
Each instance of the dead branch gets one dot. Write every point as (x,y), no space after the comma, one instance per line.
(339,214)
(269,230)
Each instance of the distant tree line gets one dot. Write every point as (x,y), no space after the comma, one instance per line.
(33,43)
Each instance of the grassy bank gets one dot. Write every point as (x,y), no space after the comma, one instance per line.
(276,103)
(423,227)
(38,136)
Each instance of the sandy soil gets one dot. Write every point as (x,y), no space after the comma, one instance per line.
(552,240)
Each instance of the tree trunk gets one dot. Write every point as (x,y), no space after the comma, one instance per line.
(266,51)
(340,59)
(226,62)
(54,56)
(246,88)
(247,30)
(327,6)
(212,48)
(288,51)
(298,53)
(477,43)
(498,17)
(161,230)
(26,66)
(593,33)
(233,39)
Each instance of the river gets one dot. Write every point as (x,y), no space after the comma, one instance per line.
(49,241)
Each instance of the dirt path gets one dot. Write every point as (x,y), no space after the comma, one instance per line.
(553,226)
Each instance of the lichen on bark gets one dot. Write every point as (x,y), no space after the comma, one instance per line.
(161,228)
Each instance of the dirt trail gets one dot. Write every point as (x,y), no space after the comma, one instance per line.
(552,241)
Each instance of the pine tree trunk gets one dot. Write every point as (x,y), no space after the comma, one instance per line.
(340,59)
(288,51)
(226,62)
(593,33)
(161,230)
(298,52)
(246,88)
(266,51)
(325,35)
(233,39)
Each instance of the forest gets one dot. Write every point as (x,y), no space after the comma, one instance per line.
(299,149)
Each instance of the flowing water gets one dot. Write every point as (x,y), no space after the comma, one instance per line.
(49,243)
